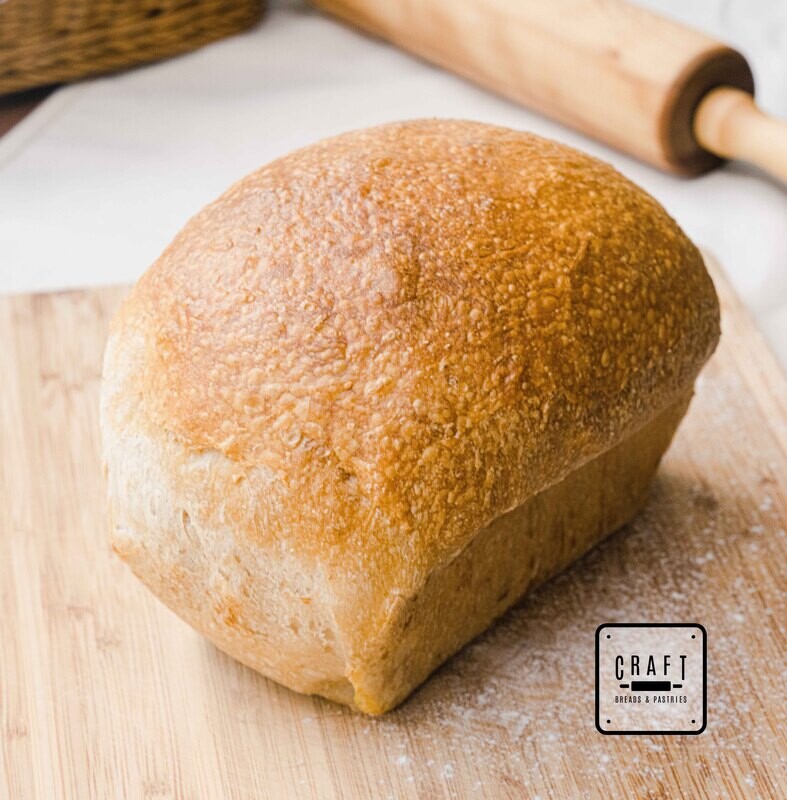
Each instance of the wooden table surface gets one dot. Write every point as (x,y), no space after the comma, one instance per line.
(105,693)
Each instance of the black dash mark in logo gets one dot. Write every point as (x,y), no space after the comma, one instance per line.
(651,686)
(651,678)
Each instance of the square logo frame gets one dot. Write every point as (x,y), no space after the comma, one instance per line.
(653,625)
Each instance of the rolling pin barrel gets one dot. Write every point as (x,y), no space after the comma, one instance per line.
(614,71)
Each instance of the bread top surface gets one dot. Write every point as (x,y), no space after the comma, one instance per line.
(405,331)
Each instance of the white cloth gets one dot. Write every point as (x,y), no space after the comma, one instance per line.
(98,179)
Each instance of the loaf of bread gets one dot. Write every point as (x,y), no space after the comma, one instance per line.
(385,385)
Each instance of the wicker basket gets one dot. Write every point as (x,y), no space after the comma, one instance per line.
(50,41)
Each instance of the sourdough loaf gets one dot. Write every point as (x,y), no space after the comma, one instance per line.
(386,384)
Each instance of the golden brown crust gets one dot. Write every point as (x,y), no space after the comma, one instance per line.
(405,332)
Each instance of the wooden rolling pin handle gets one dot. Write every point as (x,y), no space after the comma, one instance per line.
(728,123)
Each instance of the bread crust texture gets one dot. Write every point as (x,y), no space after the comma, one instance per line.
(346,368)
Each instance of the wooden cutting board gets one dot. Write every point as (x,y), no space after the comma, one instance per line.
(104,693)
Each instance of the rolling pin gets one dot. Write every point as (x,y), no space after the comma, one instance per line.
(646,85)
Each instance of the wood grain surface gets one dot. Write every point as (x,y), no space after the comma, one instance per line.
(105,693)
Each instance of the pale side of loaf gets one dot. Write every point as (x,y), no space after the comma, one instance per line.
(385,385)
